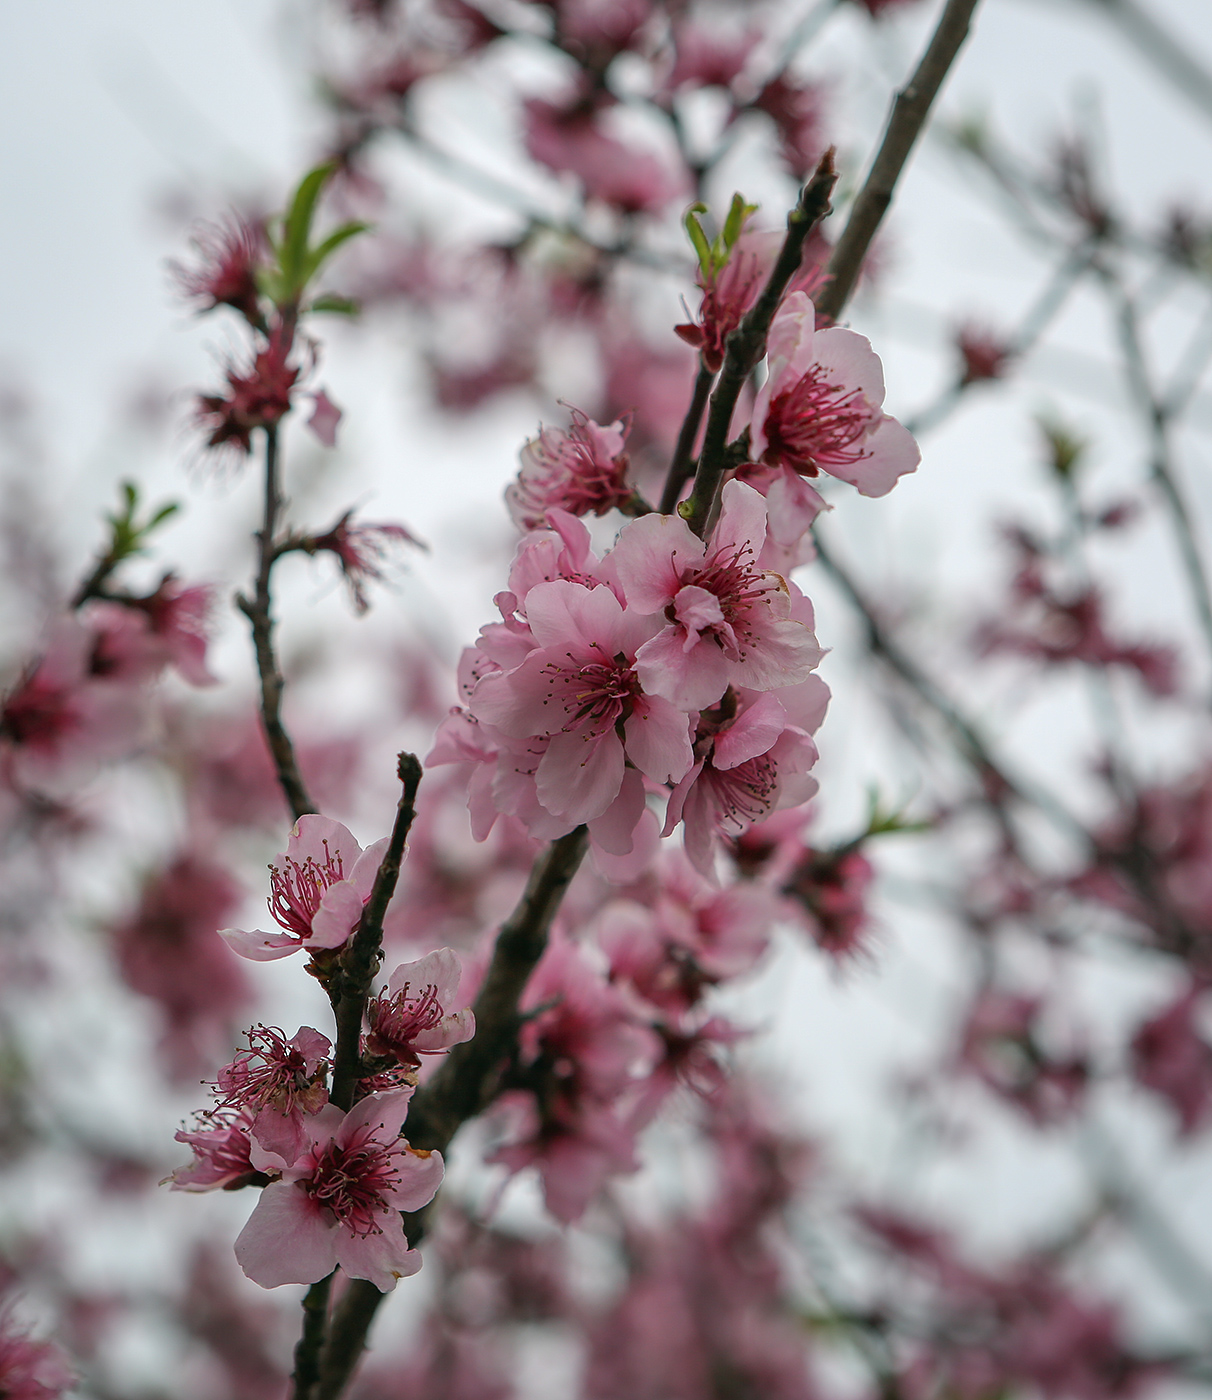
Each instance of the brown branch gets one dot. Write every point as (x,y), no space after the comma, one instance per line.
(360,960)
(260,617)
(307,1351)
(467,1079)
(905,123)
(682,464)
(746,345)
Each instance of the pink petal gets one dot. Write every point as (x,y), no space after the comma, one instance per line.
(851,361)
(259,946)
(324,419)
(421,1174)
(318,838)
(578,778)
(385,1113)
(753,733)
(893,453)
(742,518)
(380,1258)
(286,1239)
(440,969)
(623,870)
(690,679)
(453,1029)
(650,557)
(362,876)
(658,739)
(561,612)
(806,703)
(339,911)
(614,830)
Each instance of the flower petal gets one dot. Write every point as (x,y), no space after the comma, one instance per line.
(287,1239)
(258,945)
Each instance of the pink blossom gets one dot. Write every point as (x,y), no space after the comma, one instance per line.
(318,888)
(581,469)
(256,397)
(753,756)
(1172,1058)
(820,409)
(730,622)
(576,689)
(584,1050)
(222,1143)
(339,1201)
(830,888)
(360,549)
(229,254)
(30,1370)
(983,353)
(279,1081)
(570,137)
(703,58)
(729,291)
(795,109)
(61,720)
(1002,1045)
(413,1017)
(325,416)
(166,950)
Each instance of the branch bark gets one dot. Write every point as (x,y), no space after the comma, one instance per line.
(468,1077)
(905,122)
(260,616)
(747,344)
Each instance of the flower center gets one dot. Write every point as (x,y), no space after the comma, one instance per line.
(270,1071)
(745,793)
(732,575)
(401,1017)
(595,695)
(296,891)
(352,1182)
(817,422)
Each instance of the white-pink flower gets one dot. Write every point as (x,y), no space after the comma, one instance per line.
(749,764)
(339,1202)
(577,704)
(318,887)
(413,1017)
(729,622)
(580,470)
(821,407)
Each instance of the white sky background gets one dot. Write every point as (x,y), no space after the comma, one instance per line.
(114,115)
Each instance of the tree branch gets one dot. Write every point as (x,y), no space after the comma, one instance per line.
(747,344)
(360,960)
(682,464)
(905,123)
(467,1079)
(260,618)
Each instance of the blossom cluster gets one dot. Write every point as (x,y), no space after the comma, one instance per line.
(670,663)
(334,1181)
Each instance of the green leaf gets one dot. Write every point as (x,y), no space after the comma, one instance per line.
(296,226)
(738,213)
(319,255)
(339,306)
(695,232)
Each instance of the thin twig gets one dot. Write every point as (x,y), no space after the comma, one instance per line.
(682,464)
(746,345)
(908,116)
(468,1077)
(1161,462)
(260,616)
(360,960)
(307,1351)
